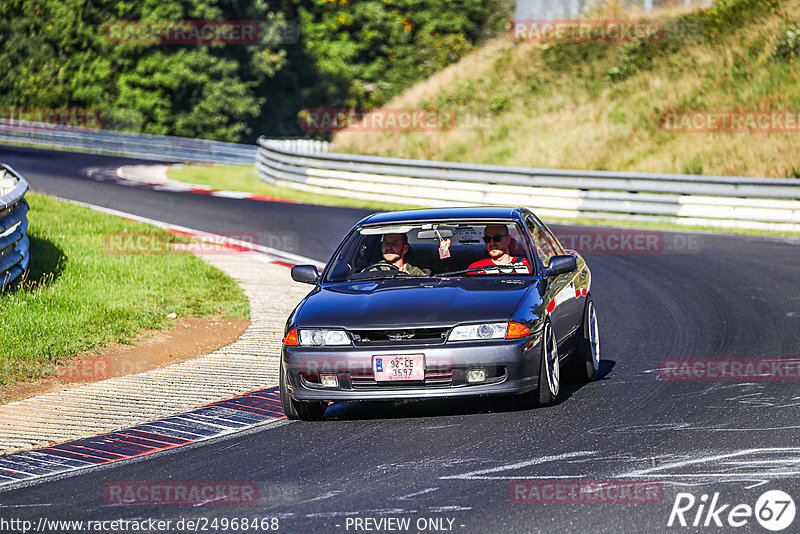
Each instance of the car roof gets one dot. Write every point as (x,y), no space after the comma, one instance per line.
(480,212)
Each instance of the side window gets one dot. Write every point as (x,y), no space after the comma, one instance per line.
(544,247)
(554,242)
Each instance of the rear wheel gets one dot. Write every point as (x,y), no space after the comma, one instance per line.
(586,361)
(549,372)
(306,411)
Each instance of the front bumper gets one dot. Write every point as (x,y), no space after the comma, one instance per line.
(513,367)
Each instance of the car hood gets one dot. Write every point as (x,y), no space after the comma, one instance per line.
(412,303)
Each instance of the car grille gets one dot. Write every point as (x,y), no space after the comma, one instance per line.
(366,380)
(407,336)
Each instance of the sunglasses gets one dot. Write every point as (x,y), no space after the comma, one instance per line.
(496,238)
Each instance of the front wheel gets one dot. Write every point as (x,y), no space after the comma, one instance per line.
(586,361)
(550,369)
(306,411)
(549,372)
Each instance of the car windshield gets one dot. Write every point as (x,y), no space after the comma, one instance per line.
(432,249)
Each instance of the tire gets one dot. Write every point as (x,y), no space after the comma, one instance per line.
(305,411)
(550,368)
(586,360)
(549,372)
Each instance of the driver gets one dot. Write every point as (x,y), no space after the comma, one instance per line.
(500,260)
(394,248)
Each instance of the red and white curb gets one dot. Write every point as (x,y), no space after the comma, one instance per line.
(202,424)
(268,254)
(119,176)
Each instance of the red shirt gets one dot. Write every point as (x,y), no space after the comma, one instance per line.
(517,266)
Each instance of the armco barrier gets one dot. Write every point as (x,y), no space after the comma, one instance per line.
(14,255)
(160,147)
(714,201)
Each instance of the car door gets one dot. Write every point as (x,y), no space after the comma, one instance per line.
(573,307)
(558,292)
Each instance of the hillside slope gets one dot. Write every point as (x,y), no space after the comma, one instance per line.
(602,105)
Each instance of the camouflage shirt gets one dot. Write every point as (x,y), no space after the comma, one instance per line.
(416,271)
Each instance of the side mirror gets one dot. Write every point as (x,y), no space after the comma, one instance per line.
(561,264)
(307,274)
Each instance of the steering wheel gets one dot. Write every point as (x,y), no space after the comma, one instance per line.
(383,267)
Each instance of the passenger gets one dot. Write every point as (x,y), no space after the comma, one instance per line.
(497,245)
(394,248)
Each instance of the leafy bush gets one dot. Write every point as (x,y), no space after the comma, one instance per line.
(788,46)
(499,104)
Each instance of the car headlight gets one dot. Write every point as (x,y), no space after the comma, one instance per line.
(478,332)
(320,337)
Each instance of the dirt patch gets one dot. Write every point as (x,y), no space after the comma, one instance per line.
(189,338)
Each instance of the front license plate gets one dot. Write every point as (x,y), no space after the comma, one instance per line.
(407,367)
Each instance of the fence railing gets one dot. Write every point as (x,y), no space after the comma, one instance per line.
(714,201)
(159,147)
(14,255)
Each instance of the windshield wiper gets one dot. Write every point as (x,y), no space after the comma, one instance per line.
(500,269)
(463,271)
(379,275)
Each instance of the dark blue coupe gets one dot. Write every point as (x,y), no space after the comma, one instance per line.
(440,303)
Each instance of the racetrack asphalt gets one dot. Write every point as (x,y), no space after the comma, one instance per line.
(731,297)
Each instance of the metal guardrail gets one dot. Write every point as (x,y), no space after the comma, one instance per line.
(714,201)
(160,147)
(14,256)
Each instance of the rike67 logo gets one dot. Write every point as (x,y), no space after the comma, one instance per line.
(774,510)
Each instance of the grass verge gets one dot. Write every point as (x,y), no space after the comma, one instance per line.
(84,292)
(604,105)
(244,178)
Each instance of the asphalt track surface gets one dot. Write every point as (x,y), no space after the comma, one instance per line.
(732,297)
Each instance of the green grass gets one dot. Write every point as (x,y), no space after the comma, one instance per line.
(244,178)
(78,296)
(599,106)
